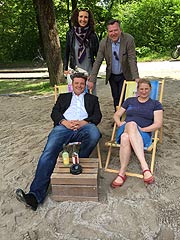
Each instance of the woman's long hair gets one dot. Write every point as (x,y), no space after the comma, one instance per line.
(74,18)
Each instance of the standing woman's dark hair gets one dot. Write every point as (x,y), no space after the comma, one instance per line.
(74,18)
(81,42)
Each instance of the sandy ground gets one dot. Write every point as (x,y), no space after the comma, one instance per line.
(133,212)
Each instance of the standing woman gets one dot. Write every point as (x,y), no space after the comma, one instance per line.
(81,42)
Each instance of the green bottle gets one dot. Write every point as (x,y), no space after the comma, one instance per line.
(65,156)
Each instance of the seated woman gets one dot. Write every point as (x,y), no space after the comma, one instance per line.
(143,116)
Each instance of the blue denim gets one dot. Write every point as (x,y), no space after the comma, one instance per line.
(88,135)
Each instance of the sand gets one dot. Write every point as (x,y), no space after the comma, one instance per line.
(132,212)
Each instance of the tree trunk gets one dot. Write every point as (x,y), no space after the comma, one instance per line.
(51,44)
(74,4)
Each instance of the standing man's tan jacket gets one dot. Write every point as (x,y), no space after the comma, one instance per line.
(127,58)
(126,55)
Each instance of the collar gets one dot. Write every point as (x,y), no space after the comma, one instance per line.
(82,94)
(118,42)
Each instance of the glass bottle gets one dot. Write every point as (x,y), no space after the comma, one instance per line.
(65,156)
(69,80)
(75,156)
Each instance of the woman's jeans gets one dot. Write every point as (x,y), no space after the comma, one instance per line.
(88,135)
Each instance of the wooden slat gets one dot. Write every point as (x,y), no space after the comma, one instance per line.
(84,165)
(67,170)
(83,179)
(77,190)
(74,198)
(112,143)
(82,160)
(127,173)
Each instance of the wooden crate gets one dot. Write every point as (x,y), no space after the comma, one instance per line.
(82,187)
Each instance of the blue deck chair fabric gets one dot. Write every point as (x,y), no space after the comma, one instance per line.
(155,89)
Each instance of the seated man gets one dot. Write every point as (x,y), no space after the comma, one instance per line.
(75,117)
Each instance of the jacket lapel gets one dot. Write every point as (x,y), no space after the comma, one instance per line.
(121,46)
(109,49)
(68,100)
(86,101)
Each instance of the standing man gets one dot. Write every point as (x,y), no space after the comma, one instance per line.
(118,49)
(75,116)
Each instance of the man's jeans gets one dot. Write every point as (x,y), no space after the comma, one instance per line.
(88,135)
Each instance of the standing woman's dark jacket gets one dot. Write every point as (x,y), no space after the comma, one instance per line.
(69,55)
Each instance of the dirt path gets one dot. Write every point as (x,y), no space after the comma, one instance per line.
(165,69)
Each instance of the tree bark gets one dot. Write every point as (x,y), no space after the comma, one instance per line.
(74,4)
(51,44)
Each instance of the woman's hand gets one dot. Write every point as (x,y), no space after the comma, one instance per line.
(142,129)
(66,72)
(117,115)
(119,124)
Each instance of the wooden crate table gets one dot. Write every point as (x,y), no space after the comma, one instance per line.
(82,187)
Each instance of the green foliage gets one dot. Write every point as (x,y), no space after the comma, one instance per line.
(62,19)
(143,51)
(154,56)
(155,24)
(18,30)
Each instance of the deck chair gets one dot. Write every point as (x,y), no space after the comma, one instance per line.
(129,90)
(58,89)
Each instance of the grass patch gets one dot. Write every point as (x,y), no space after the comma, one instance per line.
(154,57)
(21,86)
(16,64)
(42,86)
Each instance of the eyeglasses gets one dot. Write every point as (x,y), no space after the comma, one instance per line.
(116,55)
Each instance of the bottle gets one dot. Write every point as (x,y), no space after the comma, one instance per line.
(65,156)
(69,80)
(75,156)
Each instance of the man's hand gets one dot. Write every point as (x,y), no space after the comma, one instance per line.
(79,124)
(73,124)
(137,80)
(90,85)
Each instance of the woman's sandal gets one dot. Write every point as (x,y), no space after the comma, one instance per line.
(149,180)
(114,184)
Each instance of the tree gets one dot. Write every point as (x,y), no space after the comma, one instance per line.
(49,34)
(155,24)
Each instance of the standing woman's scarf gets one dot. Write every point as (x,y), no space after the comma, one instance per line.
(82,34)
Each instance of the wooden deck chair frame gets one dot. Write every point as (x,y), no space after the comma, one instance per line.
(58,89)
(157,136)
